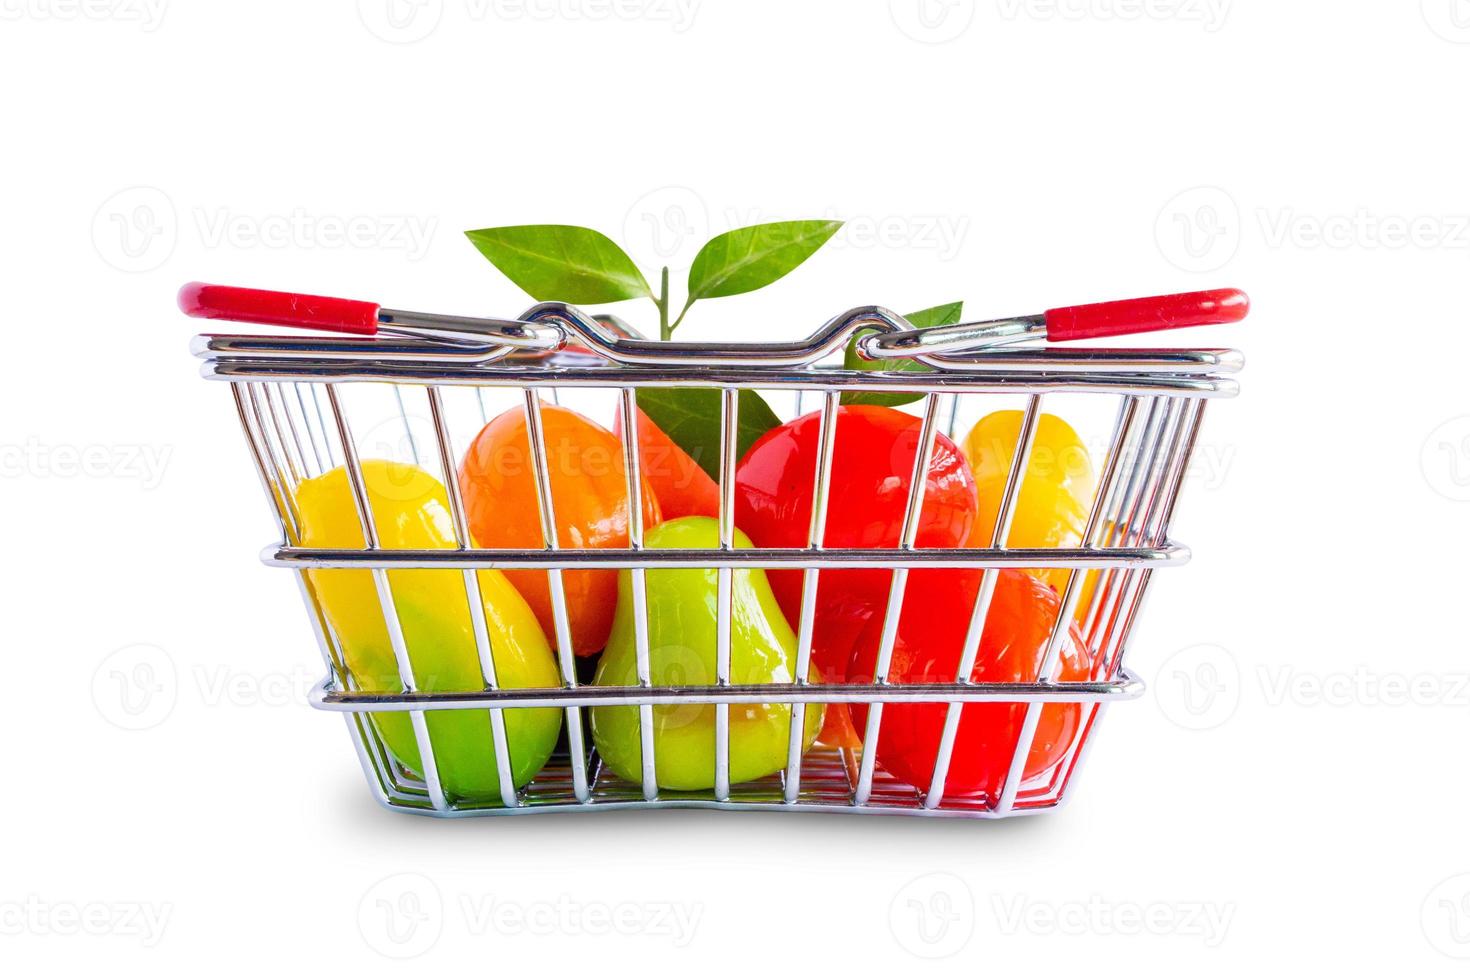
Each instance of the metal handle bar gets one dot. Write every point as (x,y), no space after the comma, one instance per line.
(1092,321)
(548,327)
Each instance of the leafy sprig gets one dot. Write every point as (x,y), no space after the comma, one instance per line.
(581,265)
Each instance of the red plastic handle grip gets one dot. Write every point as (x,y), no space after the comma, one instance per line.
(200,299)
(1143,315)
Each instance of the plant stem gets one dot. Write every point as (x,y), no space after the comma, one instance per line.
(664,330)
(680,318)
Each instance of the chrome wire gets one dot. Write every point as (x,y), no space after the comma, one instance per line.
(386,601)
(483,648)
(561,619)
(295,418)
(918,481)
(633,473)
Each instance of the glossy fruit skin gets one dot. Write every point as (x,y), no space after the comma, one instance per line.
(589,494)
(682,616)
(872,469)
(683,488)
(1056,492)
(411,510)
(931,636)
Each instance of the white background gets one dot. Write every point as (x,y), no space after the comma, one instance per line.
(1013,153)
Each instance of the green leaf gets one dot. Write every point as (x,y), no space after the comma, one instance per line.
(934,316)
(562,262)
(749,258)
(691,417)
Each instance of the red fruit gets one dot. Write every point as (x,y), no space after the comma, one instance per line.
(872,470)
(931,636)
(683,488)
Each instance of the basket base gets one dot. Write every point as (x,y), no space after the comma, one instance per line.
(827,779)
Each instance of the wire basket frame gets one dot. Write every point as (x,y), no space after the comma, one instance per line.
(289,396)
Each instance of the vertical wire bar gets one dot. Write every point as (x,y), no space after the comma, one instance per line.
(1010,496)
(1113,581)
(369,751)
(413,445)
(924,450)
(275,404)
(1181,453)
(1114,661)
(311,435)
(729,421)
(565,657)
(483,647)
(1112,533)
(321,418)
(1119,506)
(1157,524)
(385,600)
(1153,466)
(296,440)
(480,400)
(1060,629)
(285,489)
(634,474)
(821,487)
(335,661)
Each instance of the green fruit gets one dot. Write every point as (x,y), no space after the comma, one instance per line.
(683,606)
(410,510)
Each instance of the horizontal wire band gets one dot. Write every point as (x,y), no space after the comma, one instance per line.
(1126,687)
(675,802)
(1168,555)
(1060,377)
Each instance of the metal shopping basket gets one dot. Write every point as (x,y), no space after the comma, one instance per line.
(292,394)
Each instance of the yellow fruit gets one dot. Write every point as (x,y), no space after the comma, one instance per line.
(411,510)
(1056,491)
